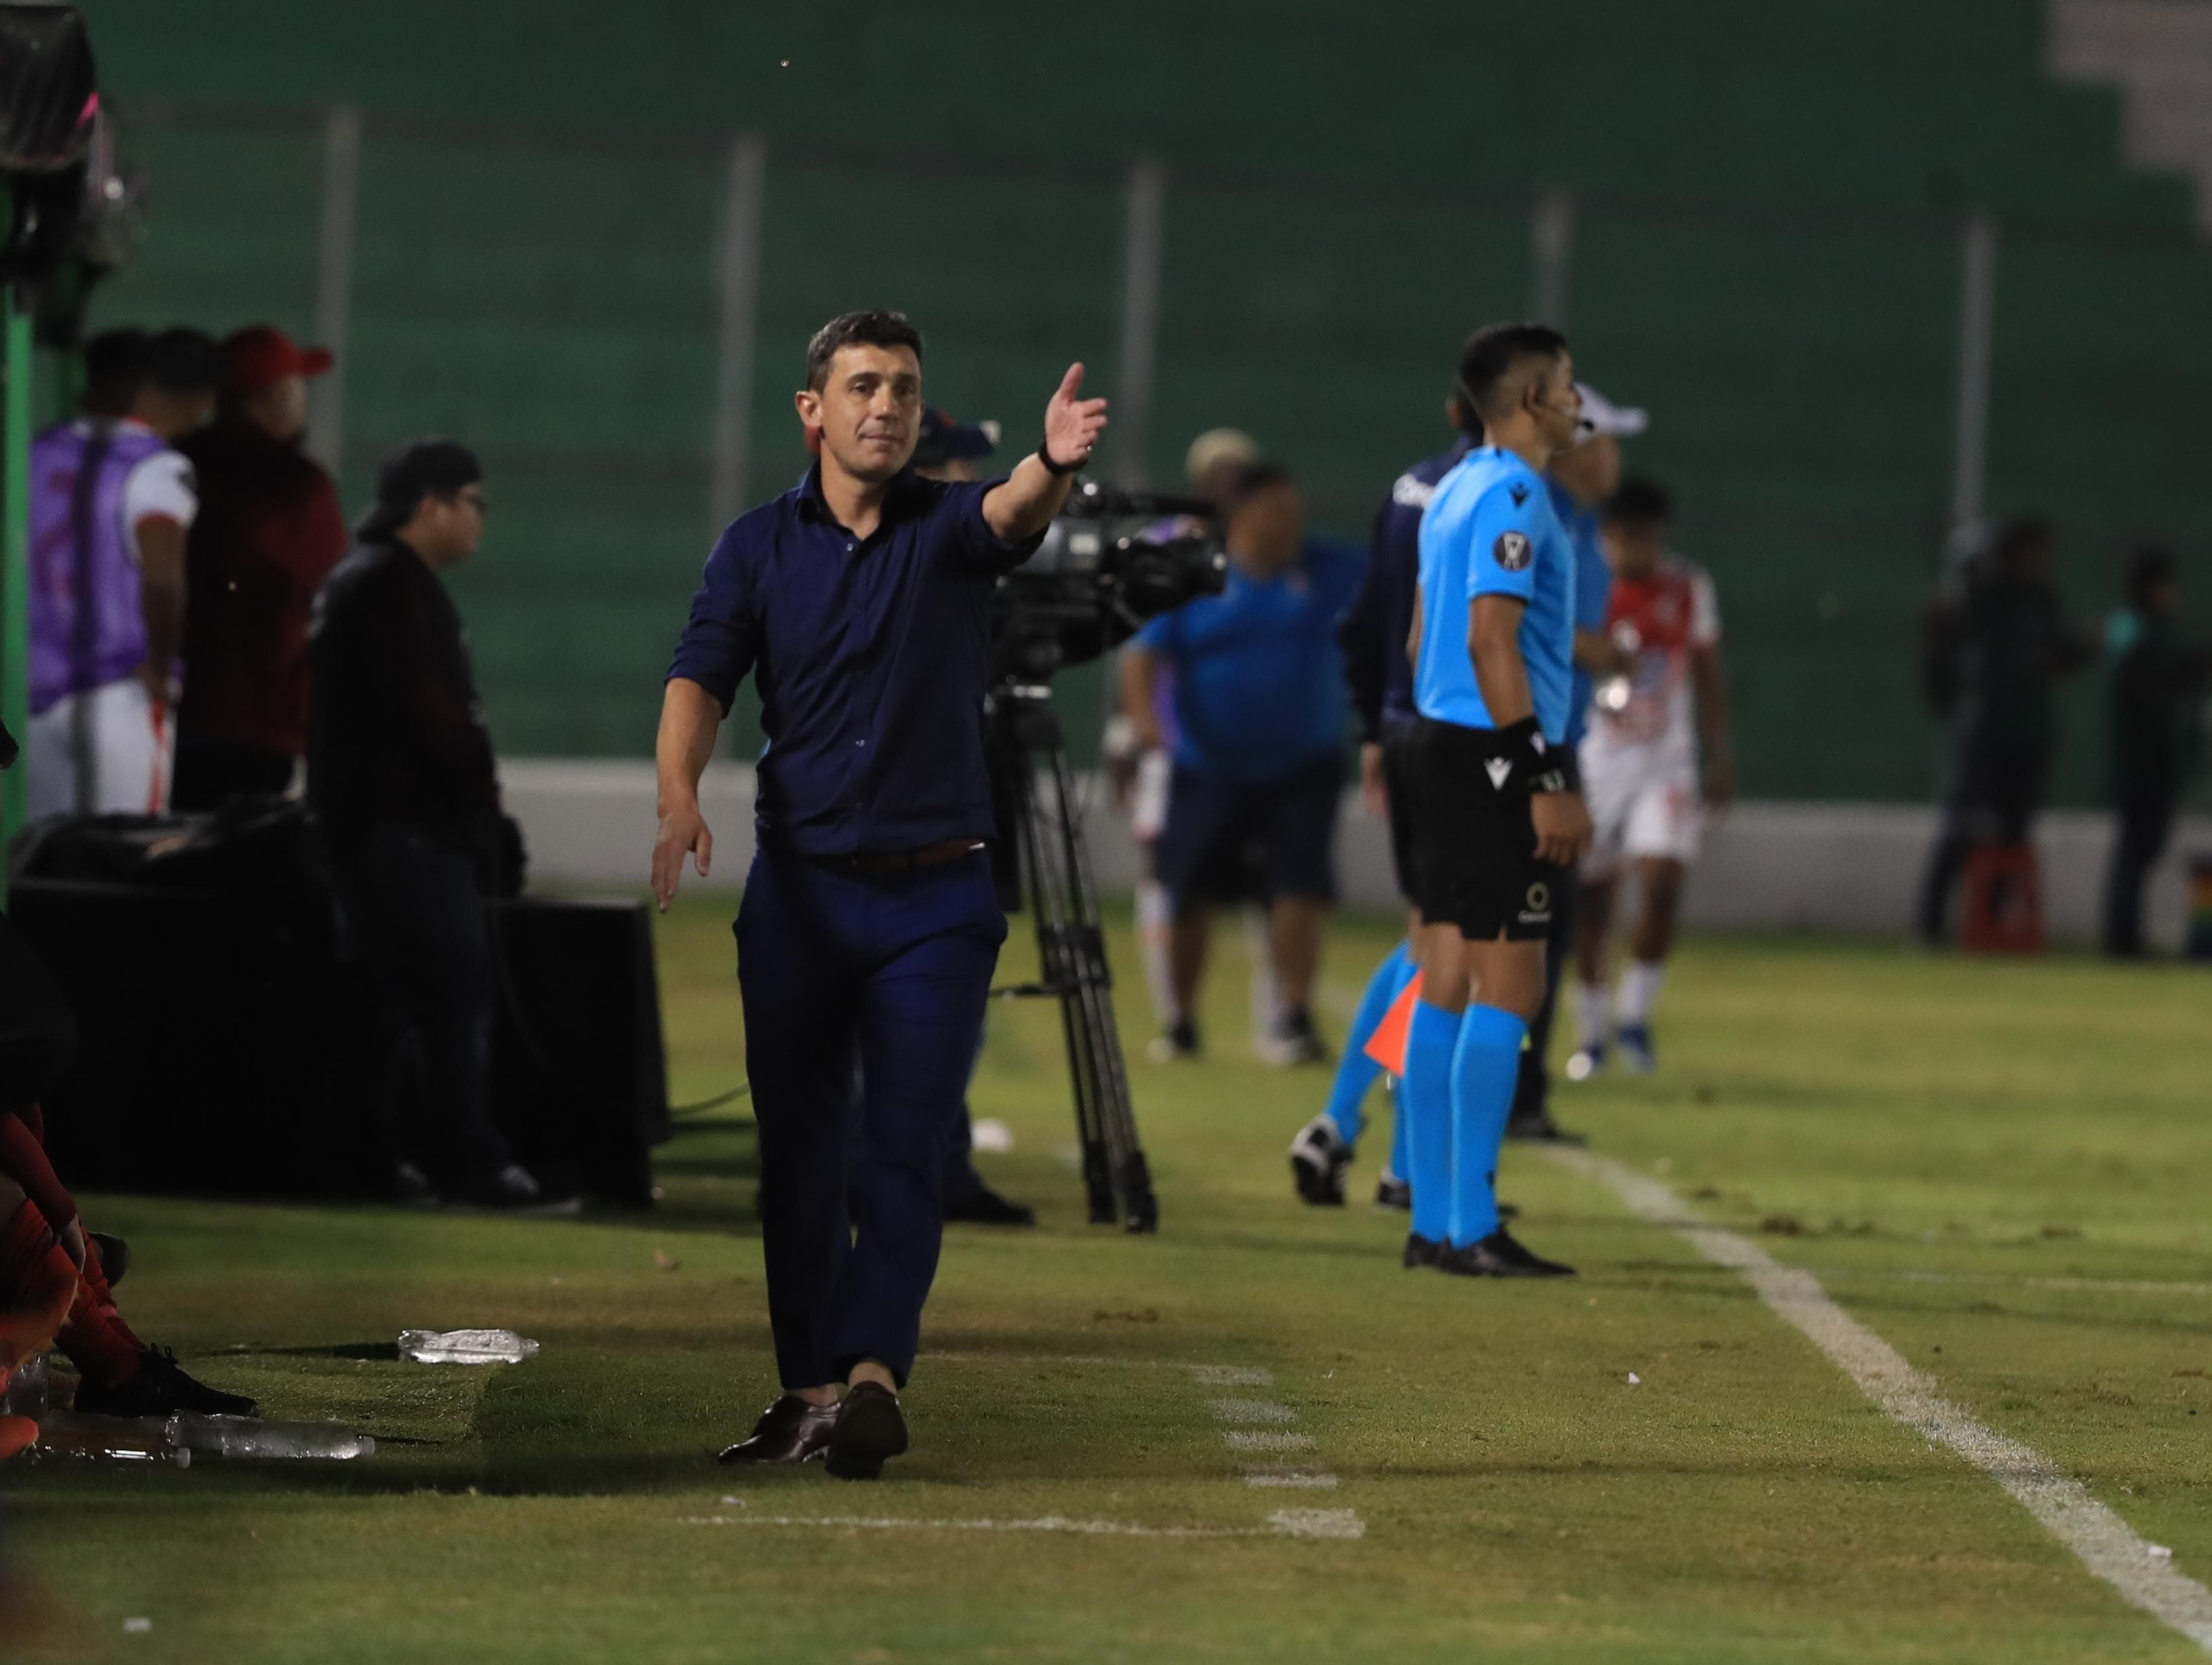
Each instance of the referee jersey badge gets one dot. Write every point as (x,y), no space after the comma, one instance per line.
(1512,551)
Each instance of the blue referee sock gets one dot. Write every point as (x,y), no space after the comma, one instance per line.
(1425,1105)
(1356,1071)
(1400,1159)
(1486,1066)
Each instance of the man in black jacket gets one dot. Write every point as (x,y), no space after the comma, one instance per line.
(2158,679)
(400,774)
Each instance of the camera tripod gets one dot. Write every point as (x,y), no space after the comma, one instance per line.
(1043,861)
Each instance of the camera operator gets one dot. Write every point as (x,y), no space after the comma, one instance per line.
(401,777)
(1259,714)
(870,922)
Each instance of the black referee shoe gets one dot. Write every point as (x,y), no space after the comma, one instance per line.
(1500,1255)
(1420,1251)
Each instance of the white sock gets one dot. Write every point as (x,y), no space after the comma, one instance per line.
(1639,991)
(1153,921)
(1592,1021)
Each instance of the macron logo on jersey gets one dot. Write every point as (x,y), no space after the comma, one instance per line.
(1408,493)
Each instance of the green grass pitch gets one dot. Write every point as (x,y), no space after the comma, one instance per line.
(2000,1168)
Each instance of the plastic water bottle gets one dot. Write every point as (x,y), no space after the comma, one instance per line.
(465,1346)
(121,1438)
(248,1437)
(28,1391)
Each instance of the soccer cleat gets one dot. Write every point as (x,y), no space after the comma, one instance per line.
(1178,1043)
(1540,1129)
(1392,1192)
(1319,1161)
(160,1389)
(1586,1061)
(1634,1041)
(1420,1251)
(870,1428)
(1292,1042)
(1500,1255)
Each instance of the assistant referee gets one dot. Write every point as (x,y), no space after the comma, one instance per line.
(870,926)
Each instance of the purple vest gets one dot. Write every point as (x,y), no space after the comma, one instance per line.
(86,630)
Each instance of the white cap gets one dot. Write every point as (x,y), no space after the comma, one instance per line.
(1602,415)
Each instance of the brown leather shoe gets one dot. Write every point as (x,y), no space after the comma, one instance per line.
(870,1427)
(789,1431)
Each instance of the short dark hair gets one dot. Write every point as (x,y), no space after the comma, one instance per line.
(2149,567)
(1638,502)
(184,361)
(114,369)
(1493,353)
(420,468)
(871,328)
(1250,481)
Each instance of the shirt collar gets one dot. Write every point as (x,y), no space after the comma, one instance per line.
(813,505)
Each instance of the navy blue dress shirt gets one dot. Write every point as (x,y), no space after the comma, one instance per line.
(872,656)
(1375,628)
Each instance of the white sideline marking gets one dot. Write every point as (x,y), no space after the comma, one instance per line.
(1273,1474)
(2100,1286)
(1284,1522)
(1252,1410)
(2099,1538)
(1260,1442)
(1230,1376)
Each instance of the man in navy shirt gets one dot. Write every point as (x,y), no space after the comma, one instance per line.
(1259,712)
(860,600)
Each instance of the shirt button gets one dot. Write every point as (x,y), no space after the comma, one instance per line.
(850,547)
(859,743)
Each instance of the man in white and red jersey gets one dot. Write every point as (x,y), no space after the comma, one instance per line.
(1655,757)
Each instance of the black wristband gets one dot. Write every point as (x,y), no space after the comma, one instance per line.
(1533,764)
(1044,455)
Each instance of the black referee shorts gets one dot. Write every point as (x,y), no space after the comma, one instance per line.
(1399,787)
(1475,846)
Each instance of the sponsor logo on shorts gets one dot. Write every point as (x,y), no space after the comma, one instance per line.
(1538,900)
(1513,551)
(1497,769)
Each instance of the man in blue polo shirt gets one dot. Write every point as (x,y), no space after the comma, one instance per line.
(860,600)
(1259,764)
(1497,814)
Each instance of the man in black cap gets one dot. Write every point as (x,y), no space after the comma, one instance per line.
(400,774)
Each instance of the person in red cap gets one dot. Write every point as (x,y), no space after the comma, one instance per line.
(269,532)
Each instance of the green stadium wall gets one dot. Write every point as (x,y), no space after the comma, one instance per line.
(1766,256)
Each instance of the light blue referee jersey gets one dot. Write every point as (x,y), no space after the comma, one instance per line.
(1489,531)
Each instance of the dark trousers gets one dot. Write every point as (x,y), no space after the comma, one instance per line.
(895,969)
(415,916)
(1532,1092)
(211,772)
(1991,795)
(38,1035)
(2146,822)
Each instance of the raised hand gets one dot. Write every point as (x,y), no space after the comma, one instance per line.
(1071,425)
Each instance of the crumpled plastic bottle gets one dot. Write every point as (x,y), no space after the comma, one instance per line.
(250,1437)
(465,1346)
(29,1391)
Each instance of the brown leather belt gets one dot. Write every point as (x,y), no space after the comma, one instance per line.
(877,865)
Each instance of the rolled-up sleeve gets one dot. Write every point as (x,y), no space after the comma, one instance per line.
(976,544)
(722,636)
